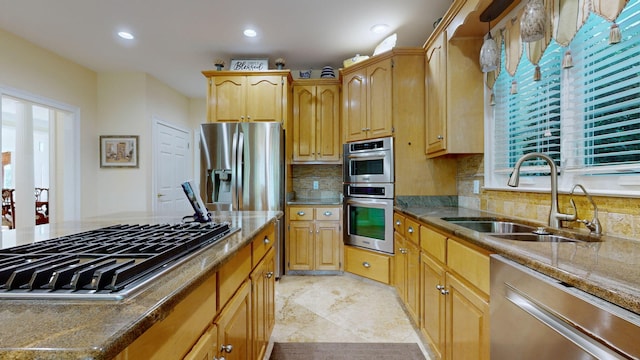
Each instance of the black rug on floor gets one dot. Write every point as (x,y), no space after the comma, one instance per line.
(346,351)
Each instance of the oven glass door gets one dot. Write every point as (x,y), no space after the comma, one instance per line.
(369,223)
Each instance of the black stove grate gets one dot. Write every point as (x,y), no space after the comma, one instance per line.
(107,263)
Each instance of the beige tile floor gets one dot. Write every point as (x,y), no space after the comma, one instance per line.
(343,308)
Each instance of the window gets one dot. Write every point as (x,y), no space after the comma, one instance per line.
(586,118)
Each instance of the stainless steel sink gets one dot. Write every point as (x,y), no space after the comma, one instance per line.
(535,237)
(491,226)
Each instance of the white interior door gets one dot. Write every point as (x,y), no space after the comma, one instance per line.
(173,167)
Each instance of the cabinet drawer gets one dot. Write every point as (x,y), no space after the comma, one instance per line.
(433,243)
(398,223)
(469,263)
(412,231)
(300,213)
(368,264)
(232,274)
(332,214)
(262,243)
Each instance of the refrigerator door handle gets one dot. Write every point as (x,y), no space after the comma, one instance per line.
(239,171)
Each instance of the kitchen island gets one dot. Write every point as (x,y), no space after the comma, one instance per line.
(102,329)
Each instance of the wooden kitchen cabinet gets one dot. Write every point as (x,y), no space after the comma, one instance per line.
(406,266)
(263,303)
(316,121)
(314,238)
(234,326)
(234,306)
(369,264)
(454,296)
(367,101)
(454,96)
(235,96)
(207,347)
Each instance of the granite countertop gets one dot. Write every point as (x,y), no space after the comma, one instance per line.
(607,267)
(315,201)
(82,329)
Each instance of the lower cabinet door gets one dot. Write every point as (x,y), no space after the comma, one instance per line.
(207,347)
(234,326)
(433,304)
(467,322)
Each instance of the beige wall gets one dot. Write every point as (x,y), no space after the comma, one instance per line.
(110,104)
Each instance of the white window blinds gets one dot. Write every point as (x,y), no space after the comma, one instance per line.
(527,112)
(605,96)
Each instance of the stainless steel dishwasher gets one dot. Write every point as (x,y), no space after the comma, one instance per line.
(536,317)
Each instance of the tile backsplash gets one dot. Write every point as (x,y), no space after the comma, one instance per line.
(329,178)
(620,216)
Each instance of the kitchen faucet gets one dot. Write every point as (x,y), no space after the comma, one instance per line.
(593,225)
(555,217)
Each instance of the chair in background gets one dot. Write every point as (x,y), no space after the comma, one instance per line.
(42,205)
(8,208)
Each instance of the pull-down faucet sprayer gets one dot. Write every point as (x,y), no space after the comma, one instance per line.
(555,217)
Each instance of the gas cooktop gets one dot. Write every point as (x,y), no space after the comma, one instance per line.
(110,263)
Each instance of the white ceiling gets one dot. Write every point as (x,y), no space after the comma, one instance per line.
(177,39)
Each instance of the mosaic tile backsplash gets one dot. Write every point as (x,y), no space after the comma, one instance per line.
(329,178)
(619,216)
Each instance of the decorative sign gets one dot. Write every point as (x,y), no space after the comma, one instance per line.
(249,64)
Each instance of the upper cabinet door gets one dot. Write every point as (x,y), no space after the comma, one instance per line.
(436,87)
(379,77)
(264,98)
(328,140)
(227,99)
(304,123)
(354,92)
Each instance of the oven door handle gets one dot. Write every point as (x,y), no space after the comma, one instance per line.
(376,155)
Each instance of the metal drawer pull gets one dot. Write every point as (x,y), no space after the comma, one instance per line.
(398,222)
(226,348)
(410,230)
(403,251)
(366,264)
(269,274)
(439,287)
(301,213)
(444,292)
(328,213)
(266,240)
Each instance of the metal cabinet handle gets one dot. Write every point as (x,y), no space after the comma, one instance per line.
(403,251)
(241,117)
(398,222)
(226,348)
(410,230)
(301,213)
(440,137)
(266,240)
(269,275)
(328,213)
(439,287)
(366,264)
(248,117)
(444,291)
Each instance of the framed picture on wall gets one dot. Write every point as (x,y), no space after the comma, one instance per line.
(118,151)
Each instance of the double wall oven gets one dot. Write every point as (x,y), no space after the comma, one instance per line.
(369,190)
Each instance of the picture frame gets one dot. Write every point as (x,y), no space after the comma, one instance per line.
(249,65)
(119,151)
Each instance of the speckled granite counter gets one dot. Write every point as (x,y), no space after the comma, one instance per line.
(608,269)
(315,201)
(74,329)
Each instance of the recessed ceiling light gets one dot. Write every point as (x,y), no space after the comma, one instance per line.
(125,35)
(379,28)
(250,33)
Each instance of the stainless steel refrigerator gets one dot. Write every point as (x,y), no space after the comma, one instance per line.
(243,168)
